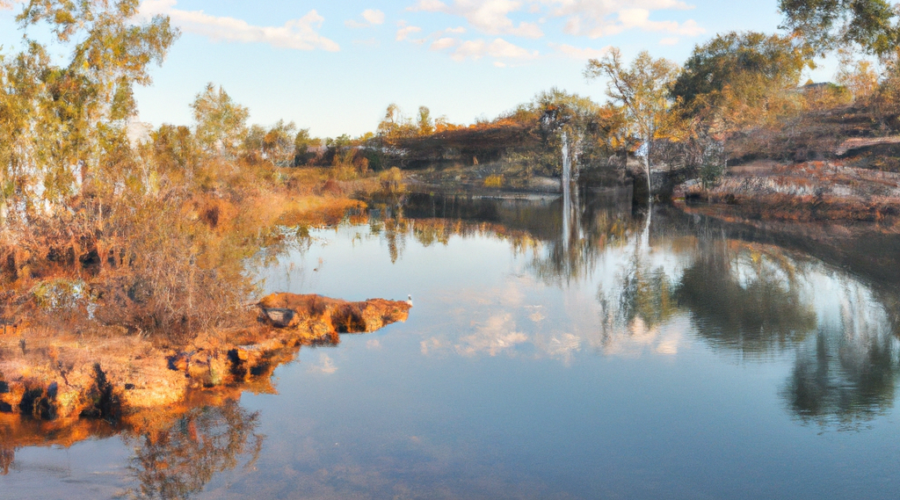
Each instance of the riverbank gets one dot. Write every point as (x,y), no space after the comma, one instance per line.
(63,376)
(810,191)
(107,337)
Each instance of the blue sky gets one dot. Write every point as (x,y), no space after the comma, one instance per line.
(334,66)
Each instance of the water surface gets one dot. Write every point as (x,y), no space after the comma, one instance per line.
(550,354)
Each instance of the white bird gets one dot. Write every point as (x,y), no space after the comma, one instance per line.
(409,300)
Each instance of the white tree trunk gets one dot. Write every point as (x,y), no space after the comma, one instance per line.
(647,169)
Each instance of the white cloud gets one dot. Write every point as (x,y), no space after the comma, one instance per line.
(428,6)
(487,16)
(371,17)
(444,43)
(325,365)
(404,32)
(669,41)
(496,335)
(597,19)
(9,4)
(579,53)
(368,42)
(498,49)
(592,18)
(298,34)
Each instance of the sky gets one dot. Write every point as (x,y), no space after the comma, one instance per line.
(334,66)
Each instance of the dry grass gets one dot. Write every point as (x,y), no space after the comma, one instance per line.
(170,262)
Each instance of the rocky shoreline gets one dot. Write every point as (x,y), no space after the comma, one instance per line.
(811,191)
(63,378)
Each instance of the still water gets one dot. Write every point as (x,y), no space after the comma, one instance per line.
(608,357)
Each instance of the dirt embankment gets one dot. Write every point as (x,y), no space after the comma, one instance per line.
(811,191)
(46,376)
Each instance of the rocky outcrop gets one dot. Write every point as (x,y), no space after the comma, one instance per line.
(322,315)
(859,143)
(56,377)
(806,191)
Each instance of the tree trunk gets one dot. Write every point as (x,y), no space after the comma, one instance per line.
(647,169)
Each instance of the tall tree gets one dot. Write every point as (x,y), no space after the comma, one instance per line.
(859,76)
(221,123)
(728,59)
(64,125)
(828,24)
(302,144)
(739,79)
(425,122)
(275,145)
(642,90)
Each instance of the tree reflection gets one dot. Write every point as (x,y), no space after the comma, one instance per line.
(740,296)
(745,297)
(594,226)
(849,373)
(7,457)
(180,460)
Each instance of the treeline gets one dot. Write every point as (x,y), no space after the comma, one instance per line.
(738,96)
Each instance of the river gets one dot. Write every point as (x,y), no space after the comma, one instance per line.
(597,358)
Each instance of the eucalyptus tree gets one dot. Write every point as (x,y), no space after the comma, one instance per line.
(221,123)
(64,125)
(424,122)
(275,145)
(642,92)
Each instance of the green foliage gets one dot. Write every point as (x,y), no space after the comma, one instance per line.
(275,146)
(174,149)
(64,125)
(221,124)
(740,80)
(425,123)
(729,60)
(642,90)
(302,144)
(642,93)
(825,25)
(713,164)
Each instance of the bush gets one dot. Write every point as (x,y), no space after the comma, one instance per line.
(493,181)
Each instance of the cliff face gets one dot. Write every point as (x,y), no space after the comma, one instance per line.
(54,376)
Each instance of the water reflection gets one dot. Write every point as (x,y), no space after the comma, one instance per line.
(616,323)
(178,461)
(848,373)
(7,456)
(745,297)
(658,279)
